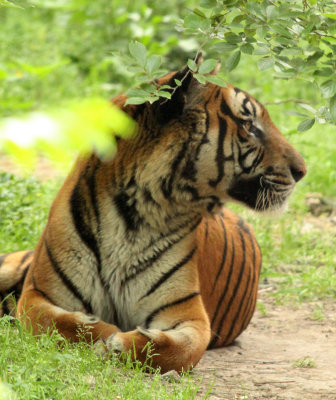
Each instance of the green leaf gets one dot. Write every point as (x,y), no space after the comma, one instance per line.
(281,30)
(196,23)
(247,48)
(261,51)
(153,99)
(224,47)
(208,3)
(233,38)
(265,63)
(178,82)
(272,12)
(139,52)
(198,12)
(291,51)
(153,63)
(201,79)
(262,31)
(165,94)
(216,80)
(207,66)
(233,61)
(332,109)
(332,16)
(328,89)
(306,124)
(135,92)
(192,65)
(136,100)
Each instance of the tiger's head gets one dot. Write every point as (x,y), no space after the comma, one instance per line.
(209,145)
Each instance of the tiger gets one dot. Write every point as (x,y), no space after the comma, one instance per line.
(140,252)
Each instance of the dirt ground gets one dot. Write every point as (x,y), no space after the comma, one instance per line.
(269,360)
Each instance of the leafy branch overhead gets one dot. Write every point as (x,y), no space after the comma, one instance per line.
(296,39)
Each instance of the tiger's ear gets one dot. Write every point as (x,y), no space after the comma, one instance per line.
(166,110)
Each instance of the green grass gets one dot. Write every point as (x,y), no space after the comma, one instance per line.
(39,369)
(24,206)
(304,362)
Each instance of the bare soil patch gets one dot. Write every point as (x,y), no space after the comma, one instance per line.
(267,361)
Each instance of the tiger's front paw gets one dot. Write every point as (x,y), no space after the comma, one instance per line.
(115,344)
(137,339)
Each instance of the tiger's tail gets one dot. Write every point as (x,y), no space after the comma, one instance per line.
(13,270)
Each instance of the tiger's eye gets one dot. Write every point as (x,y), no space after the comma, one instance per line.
(248,125)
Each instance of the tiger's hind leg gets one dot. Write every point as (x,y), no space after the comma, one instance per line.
(231,257)
(39,313)
(13,270)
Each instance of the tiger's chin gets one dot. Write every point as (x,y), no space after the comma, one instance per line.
(260,196)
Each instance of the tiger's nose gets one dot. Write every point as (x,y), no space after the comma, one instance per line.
(298,171)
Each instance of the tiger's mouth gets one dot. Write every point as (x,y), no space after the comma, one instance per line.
(261,193)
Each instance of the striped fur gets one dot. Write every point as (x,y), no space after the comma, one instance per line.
(139,248)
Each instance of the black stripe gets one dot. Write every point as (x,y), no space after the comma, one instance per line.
(25,257)
(80,212)
(246,111)
(224,253)
(207,120)
(206,232)
(92,186)
(250,307)
(167,184)
(254,109)
(40,291)
(217,93)
(3,258)
(126,207)
(152,315)
(243,156)
(258,159)
(220,158)
(25,273)
(66,281)
(156,256)
(234,294)
(3,302)
(226,110)
(178,323)
(227,284)
(239,310)
(169,273)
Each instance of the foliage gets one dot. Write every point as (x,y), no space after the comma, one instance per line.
(81,126)
(77,43)
(294,38)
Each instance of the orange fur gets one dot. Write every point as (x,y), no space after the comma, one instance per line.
(143,242)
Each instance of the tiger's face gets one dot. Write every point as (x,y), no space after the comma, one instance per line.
(254,164)
(209,145)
